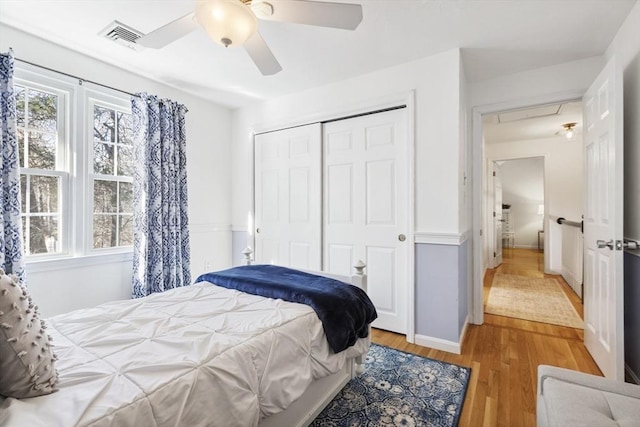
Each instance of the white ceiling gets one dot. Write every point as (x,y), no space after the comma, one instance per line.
(498,37)
(532,123)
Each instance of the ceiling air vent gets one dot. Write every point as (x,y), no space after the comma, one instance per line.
(122,34)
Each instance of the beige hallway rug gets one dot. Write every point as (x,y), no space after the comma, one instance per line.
(531,298)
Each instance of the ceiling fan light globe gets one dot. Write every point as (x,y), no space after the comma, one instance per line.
(228,22)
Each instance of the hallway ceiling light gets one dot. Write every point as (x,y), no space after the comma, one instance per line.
(569,129)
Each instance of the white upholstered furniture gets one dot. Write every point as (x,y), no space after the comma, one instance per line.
(568,398)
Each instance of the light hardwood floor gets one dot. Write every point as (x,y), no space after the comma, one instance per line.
(504,354)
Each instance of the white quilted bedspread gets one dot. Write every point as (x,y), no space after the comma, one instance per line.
(195,356)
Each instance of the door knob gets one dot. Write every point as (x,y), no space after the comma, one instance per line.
(602,244)
(402,237)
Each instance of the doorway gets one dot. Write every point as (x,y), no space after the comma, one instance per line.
(603,154)
(536,166)
(516,205)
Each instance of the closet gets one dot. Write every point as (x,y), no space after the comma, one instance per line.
(330,194)
(288,197)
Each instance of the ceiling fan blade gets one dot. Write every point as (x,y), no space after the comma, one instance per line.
(323,14)
(262,55)
(169,32)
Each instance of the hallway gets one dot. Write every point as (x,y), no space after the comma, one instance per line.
(528,263)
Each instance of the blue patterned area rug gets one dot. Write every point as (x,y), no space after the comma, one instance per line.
(399,389)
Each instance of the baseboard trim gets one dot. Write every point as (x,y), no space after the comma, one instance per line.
(631,374)
(438,344)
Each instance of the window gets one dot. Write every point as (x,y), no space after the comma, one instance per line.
(76,159)
(41,146)
(112,177)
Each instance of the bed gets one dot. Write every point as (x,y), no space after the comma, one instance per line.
(202,355)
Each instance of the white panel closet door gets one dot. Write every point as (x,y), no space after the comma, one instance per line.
(288,197)
(365,207)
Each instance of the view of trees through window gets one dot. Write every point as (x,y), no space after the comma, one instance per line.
(112,184)
(37,120)
(44,150)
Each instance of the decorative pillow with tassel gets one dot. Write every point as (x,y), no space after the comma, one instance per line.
(26,357)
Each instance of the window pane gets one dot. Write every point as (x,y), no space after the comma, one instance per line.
(104,231)
(104,196)
(103,155)
(126,230)
(19,91)
(44,234)
(125,128)
(104,122)
(126,197)
(20,133)
(43,111)
(43,194)
(23,193)
(42,151)
(125,160)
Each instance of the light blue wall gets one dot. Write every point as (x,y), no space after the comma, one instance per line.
(463,284)
(238,244)
(632,312)
(441,290)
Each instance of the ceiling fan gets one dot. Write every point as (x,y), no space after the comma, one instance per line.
(234,23)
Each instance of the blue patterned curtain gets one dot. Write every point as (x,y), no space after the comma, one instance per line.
(160,225)
(11,250)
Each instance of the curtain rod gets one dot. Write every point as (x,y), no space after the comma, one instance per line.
(80,79)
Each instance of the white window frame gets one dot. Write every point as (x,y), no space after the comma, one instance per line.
(65,93)
(63,224)
(75,140)
(117,103)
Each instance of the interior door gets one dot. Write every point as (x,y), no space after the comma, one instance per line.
(497,215)
(288,197)
(603,234)
(366,218)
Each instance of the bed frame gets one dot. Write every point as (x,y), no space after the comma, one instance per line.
(320,392)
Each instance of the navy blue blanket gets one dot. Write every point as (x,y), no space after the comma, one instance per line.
(345,310)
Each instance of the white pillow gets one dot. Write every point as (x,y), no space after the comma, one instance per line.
(26,357)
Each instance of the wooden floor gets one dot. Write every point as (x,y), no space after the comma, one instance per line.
(504,354)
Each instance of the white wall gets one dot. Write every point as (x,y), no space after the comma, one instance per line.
(437,119)
(534,86)
(523,189)
(439,175)
(208,131)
